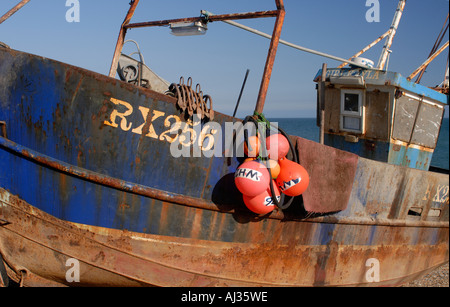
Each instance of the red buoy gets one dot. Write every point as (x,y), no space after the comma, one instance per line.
(277,146)
(252,178)
(262,203)
(293,179)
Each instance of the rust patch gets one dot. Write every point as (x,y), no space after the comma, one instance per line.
(124,206)
(99,257)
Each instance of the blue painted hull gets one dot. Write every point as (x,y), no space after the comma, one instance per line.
(383,151)
(60,112)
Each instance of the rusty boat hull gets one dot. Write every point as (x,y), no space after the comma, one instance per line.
(87,174)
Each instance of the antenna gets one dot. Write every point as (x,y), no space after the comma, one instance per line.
(393,31)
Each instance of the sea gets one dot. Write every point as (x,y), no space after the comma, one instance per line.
(308,129)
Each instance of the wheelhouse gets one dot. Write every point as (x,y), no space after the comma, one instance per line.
(380,115)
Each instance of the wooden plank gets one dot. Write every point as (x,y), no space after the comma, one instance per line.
(377,115)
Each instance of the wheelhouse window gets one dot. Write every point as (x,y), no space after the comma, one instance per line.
(352,111)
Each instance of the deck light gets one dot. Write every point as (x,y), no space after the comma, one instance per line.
(188,28)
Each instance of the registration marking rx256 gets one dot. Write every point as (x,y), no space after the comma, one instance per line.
(186,133)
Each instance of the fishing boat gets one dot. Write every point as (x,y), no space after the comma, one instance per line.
(92,195)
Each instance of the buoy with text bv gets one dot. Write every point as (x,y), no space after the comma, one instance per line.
(293,179)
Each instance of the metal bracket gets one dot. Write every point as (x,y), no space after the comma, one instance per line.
(3,129)
(4,222)
(3,45)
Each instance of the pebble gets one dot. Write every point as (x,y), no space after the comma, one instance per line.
(437,278)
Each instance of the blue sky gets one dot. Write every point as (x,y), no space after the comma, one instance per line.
(219,59)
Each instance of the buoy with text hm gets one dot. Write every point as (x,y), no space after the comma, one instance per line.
(277,146)
(252,178)
(262,203)
(293,179)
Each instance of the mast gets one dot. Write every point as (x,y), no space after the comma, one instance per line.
(275,38)
(271,56)
(13,10)
(436,44)
(121,38)
(428,61)
(393,31)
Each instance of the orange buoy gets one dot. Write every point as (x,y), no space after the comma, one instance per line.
(252,149)
(262,203)
(293,179)
(252,178)
(277,146)
(274,168)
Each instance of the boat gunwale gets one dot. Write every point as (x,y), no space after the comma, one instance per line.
(190,201)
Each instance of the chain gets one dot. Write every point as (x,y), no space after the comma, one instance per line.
(192,101)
